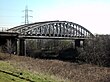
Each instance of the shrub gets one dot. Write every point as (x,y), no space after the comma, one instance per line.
(96,51)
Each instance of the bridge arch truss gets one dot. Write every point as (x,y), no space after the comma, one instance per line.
(53,29)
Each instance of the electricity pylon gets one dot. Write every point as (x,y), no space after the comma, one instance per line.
(26,16)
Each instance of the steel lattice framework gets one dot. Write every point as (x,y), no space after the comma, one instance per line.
(53,29)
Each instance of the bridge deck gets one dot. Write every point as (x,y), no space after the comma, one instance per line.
(8,34)
(51,37)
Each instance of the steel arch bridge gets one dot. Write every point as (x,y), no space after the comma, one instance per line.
(53,29)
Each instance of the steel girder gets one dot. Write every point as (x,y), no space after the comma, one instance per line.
(53,29)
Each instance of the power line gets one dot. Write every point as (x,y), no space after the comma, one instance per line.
(26,16)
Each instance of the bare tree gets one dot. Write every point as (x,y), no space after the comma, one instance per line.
(96,51)
(8,47)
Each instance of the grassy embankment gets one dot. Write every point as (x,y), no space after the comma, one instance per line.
(12,73)
(8,73)
(26,69)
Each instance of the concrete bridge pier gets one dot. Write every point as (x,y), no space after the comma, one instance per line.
(79,43)
(22,46)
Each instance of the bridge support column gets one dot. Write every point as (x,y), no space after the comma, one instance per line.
(73,44)
(22,47)
(79,43)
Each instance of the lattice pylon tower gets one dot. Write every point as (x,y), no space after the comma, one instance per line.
(26,16)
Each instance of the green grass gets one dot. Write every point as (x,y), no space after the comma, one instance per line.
(9,73)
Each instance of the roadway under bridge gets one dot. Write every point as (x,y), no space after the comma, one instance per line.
(45,30)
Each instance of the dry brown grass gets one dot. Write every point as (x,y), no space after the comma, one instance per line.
(63,70)
(5,56)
